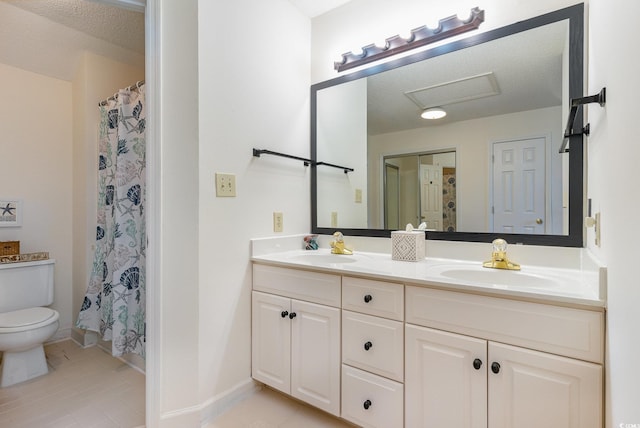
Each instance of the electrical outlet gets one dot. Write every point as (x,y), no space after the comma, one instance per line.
(225,185)
(358,196)
(277,222)
(334,219)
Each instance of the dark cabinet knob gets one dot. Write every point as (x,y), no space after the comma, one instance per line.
(477,363)
(368,298)
(367,404)
(495,367)
(284,314)
(368,346)
(292,315)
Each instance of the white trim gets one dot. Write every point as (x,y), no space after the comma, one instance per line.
(153,366)
(220,403)
(134,5)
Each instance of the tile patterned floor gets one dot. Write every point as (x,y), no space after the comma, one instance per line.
(85,388)
(270,409)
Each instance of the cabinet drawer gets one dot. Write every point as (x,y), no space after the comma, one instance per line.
(313,287)
(575,333)
(373,344)
(371,401)
(383,299)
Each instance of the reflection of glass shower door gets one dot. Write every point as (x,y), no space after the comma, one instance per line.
(431,196)
(391,197)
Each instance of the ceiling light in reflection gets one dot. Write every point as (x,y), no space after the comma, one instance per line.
(433,113)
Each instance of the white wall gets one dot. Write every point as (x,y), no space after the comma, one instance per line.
(362,22)
(345,111)
(254,92)
(216,310)
(472,140)
(173,321)
(97,78)
(35,166)
(614,175)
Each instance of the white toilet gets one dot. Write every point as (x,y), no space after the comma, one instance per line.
(25,324)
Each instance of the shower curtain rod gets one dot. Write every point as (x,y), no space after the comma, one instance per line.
(114,96)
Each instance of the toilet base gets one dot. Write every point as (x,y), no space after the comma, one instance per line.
(21,366)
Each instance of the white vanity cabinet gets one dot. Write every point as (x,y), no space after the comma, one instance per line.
(478,361)
(384,354)
(296,334)
(372,352)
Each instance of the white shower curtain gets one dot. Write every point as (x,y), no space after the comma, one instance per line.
(114,304)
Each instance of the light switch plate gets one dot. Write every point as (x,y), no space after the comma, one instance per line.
(225,185)
(358,196)
(334,219)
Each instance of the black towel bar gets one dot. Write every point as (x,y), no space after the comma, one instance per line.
(599,98)
(307,162)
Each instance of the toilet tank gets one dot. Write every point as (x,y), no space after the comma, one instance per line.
(26,284)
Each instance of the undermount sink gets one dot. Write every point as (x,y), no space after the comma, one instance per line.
(499,277)
(323,258)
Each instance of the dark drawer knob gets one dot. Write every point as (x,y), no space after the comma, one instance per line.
(495,367)
(368,346)
(477,363)
(284,314)
(367,404)
(292,315)
(368,298)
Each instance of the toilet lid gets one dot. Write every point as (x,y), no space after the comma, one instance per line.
(26,317)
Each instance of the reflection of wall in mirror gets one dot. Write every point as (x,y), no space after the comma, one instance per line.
(341,140)
(472,140)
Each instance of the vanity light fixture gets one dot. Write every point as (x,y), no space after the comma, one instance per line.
(433,113)
(421,36)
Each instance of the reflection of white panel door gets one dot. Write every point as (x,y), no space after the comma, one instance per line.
(519,186)
(431,196)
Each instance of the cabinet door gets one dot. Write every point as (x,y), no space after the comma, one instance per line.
(444,384)
(315,355)
(271,340)
(534,389)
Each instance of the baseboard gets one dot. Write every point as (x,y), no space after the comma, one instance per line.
(61,334)
(84,338)
(222,402)
(134,361)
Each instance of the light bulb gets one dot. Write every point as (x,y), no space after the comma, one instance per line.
(433,113)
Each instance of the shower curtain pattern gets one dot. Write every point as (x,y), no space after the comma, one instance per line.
(114,304)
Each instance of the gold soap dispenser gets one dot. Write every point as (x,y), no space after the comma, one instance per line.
(499,258)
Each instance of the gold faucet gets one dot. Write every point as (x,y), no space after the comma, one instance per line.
(337,246)
(499,257)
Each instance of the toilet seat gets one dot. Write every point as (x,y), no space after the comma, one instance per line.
(26,319)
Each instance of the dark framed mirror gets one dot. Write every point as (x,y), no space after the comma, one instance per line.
(507,93)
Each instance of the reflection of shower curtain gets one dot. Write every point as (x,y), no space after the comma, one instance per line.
(449,199)
(114,304)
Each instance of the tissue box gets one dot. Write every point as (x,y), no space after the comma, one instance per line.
(408,246)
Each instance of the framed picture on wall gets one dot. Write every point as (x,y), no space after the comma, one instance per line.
(10,212)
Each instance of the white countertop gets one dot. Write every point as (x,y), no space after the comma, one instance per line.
(583,287)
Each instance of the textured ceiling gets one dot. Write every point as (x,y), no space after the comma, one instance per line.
(527,67)
(124,28)
(48,37)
